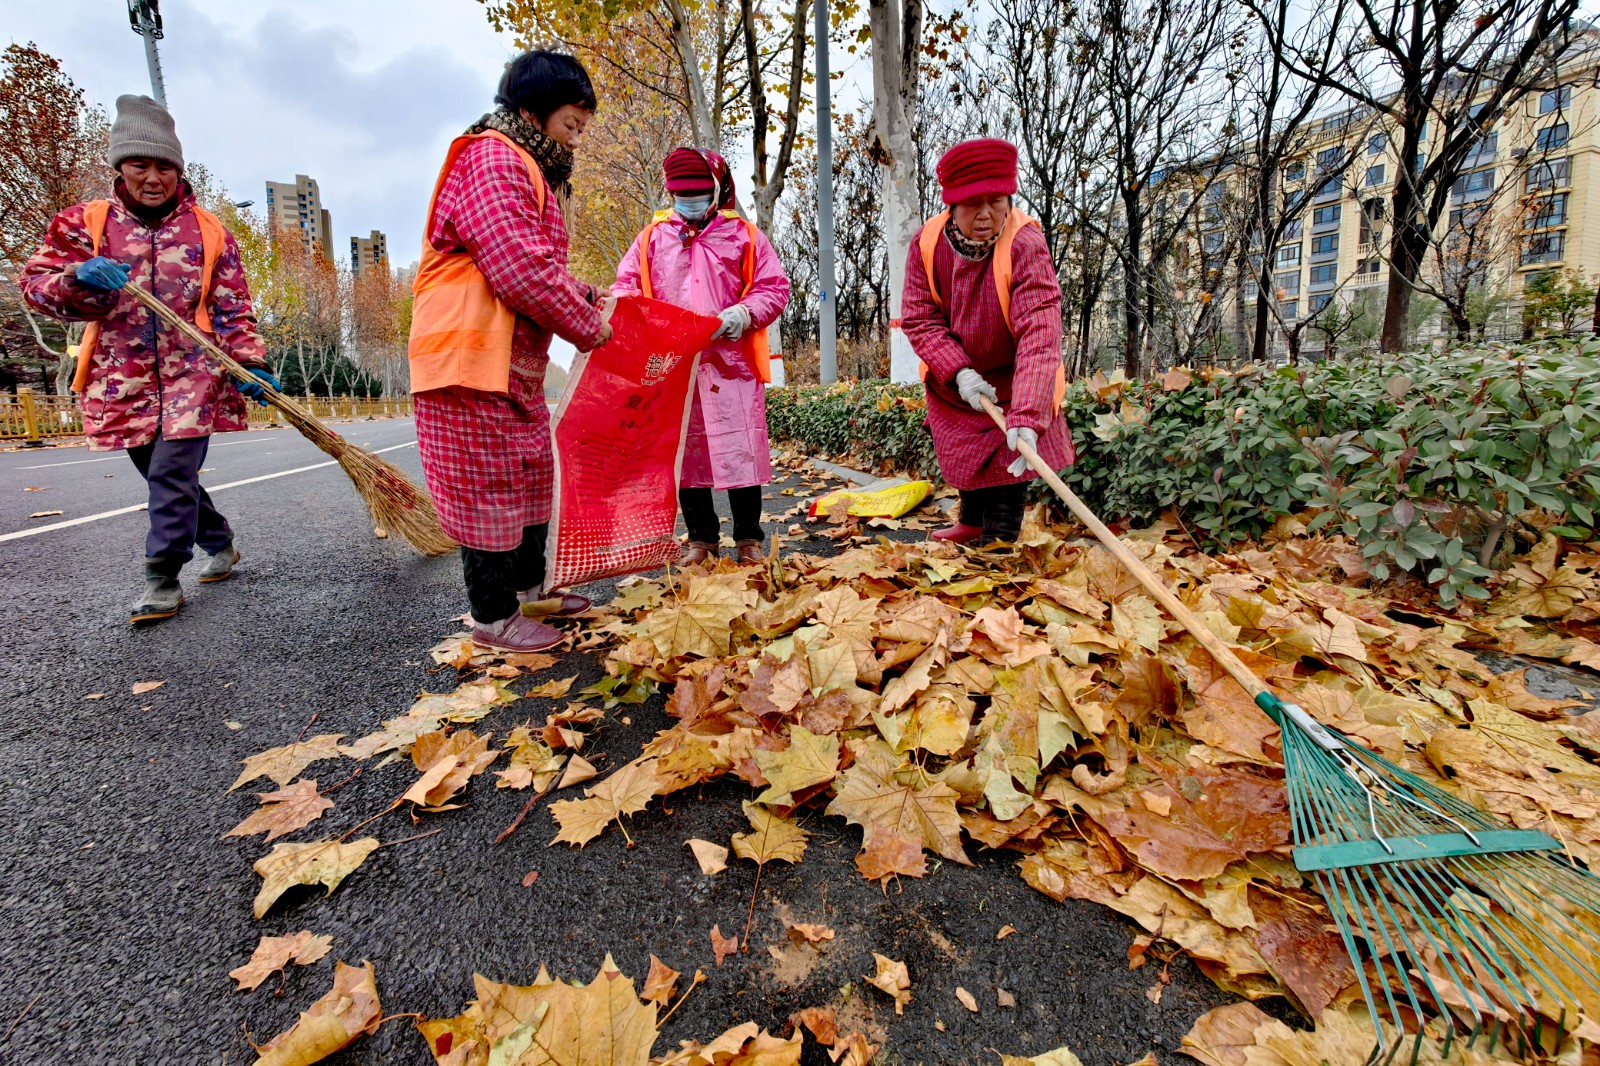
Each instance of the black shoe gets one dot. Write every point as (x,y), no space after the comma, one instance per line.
(162,596)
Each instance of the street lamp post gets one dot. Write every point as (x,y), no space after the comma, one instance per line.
(145,18)
(827,352)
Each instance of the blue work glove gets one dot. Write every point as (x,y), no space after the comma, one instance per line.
(102,274)
(253,389)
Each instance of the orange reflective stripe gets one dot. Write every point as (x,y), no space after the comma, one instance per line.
(95,213)
(645,288)
(461,332)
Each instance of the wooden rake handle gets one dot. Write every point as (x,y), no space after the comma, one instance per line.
(188,329)
(1152,584)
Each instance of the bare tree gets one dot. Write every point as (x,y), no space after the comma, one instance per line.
(896,27)
(1438,74)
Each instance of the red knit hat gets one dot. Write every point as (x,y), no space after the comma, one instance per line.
(694,171)
(986,167)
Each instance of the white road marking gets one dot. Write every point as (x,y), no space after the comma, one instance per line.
(19,534)
(108,458)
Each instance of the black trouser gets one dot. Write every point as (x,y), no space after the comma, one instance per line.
(700,517)
(495,578)
(997,510)
(181,513)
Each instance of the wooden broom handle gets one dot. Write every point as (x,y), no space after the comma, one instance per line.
(188,329)
(1152,584)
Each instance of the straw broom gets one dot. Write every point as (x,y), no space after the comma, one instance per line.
(396,504)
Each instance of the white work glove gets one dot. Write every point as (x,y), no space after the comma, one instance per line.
(970,384)
(1017,436)
(735,320)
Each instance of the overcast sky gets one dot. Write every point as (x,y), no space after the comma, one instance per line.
(362,95)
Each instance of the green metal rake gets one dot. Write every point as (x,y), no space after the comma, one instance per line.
(1444,911)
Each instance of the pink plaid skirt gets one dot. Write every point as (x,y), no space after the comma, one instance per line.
(488,464)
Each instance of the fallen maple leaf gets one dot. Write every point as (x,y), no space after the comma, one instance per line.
(808,761)
(811,934)
(628,791)
(548,1022)
(141,687)
(967,999)
(552,690)
(722,946)
(322,862)
(282,765)
(700,622)
(822,1021)
(893,980)
(275,953)
(350,1009)
(577,772)
(659,985)
(773,838)
(45,514)
(871,796)
(1059,1057)
(856,1050)
(291,808)
(447,763)
(1005,931)
(1220,1036)
(713,858)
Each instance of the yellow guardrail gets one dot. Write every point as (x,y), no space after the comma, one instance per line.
(31,417)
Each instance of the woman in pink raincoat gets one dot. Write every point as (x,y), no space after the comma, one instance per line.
(707,259)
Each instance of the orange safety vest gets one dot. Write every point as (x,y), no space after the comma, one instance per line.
(928,244)
(754,343)
(213,238)
(461,332)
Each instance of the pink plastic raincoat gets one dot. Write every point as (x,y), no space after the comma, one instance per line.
(726,447)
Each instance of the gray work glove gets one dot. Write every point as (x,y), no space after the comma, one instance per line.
(971,386)
(735,320)
(1016,436)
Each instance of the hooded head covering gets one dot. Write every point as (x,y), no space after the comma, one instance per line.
(985,167)
(696,172)
(144,129)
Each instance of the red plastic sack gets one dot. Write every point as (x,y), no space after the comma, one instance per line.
(618,438)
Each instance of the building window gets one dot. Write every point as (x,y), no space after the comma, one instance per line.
(1555,136)
(1555,100)
(1543,247)
(1327,190)
(1548,211)
(1329,158)
(1212,242)
(1368,266)
(1375,175)
(1292,229)
(1288,284)
(1289,253)
(1319,302)
(1476,183)
(1248,291)
(1550,174)
(1294,173)
(1325,245)
(1377,143)
(1325,216)
(1326,274)
(1290,310)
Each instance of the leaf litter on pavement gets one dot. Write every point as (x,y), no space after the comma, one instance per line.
(944,700)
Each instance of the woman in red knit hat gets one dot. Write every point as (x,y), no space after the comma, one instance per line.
(982,309)
(701,256)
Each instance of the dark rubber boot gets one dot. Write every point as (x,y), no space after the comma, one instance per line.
(162,595)
(220,566)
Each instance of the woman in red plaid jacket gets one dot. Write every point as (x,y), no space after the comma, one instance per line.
(492,289)
(982,310)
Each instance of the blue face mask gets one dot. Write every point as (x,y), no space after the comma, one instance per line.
(691,208)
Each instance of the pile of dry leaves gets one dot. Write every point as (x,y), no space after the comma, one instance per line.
(944,701)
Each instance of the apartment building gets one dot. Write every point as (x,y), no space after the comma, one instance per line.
(297,206)
(1527,202)
(369,253)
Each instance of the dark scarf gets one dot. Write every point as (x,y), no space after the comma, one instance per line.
(967,248)
(554,160)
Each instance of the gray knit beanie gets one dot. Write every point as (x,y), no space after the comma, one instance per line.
(144,129)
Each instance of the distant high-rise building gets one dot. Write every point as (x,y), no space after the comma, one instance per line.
(298,206)
(369,253)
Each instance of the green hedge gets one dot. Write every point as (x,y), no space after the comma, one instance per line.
(1424,460)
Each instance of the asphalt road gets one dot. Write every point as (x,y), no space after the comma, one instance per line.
(125,910)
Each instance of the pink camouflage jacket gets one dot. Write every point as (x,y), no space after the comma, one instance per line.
(147,377)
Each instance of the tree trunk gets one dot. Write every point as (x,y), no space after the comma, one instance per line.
(769,187)
(1406,249)
(896,42)
(706,133)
